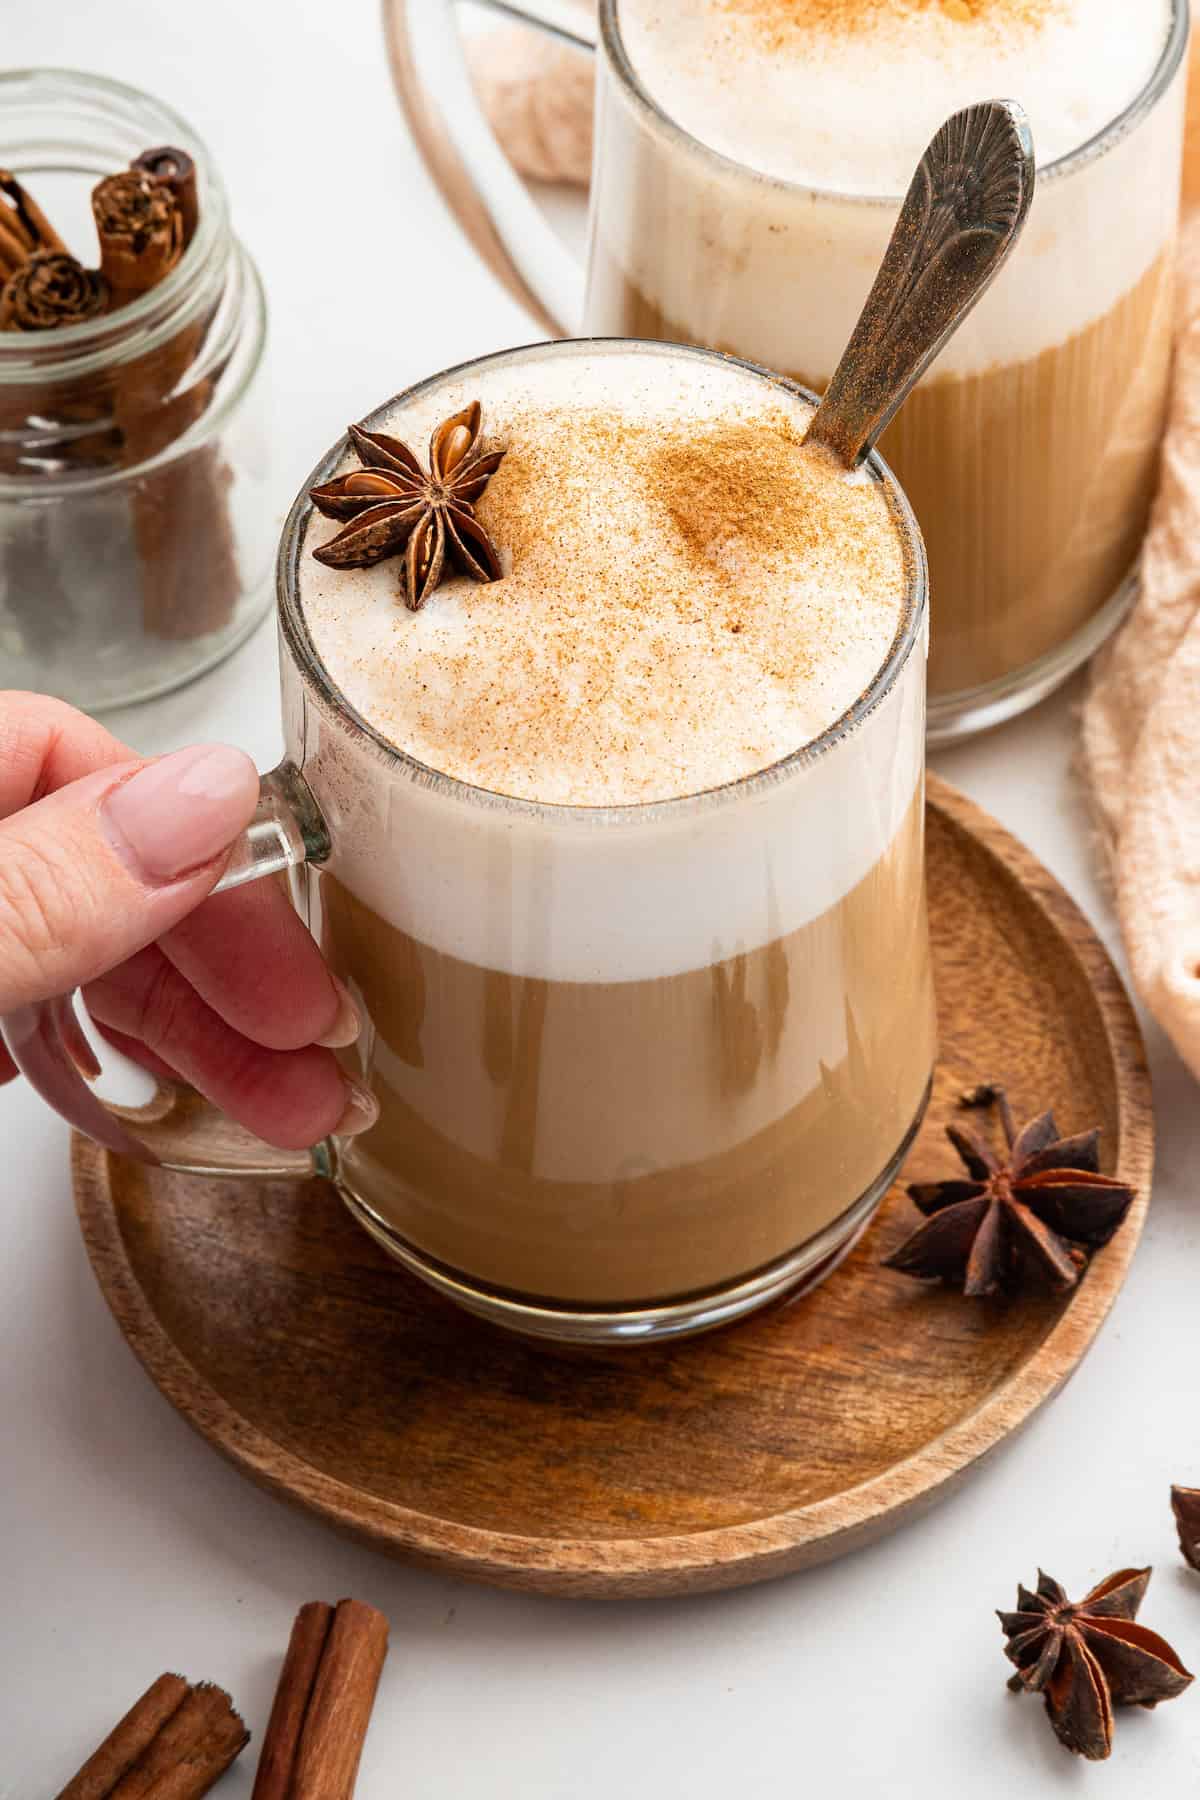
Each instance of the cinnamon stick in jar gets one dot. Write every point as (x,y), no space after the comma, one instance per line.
(53,288)
(145,218)
(22,217)
(48,289)
(140,228)
(174,170)
(43,287)
(13,249)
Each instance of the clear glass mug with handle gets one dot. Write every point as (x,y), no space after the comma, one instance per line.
(1030,454)
(609,1110)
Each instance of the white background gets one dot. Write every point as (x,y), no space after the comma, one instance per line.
(127,1546)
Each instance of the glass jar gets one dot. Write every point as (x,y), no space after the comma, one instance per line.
(136,539)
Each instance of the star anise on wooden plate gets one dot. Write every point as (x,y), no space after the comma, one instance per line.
(1037,1211)
(1185,1504)
(394,506)
(1088,1657)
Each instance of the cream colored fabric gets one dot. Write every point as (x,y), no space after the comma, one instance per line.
(538,99)
(1141,720)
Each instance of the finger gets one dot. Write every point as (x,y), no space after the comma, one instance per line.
(291,1098)
(44,744)
(136,1051)
(95,870)
(251,957)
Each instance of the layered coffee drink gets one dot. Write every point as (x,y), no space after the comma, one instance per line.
(627,868)
(750,159)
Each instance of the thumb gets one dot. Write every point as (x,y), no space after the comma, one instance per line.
(103,866)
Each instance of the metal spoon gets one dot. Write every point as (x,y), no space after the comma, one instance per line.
(961,216)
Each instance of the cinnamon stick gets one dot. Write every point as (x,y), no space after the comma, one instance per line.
(182,528)
(50,289)
(127,1740)
(43,287)
(13,248)
(64,291)
(195,1746)
(306,1646)
(323,1703)
(176,171)
(140,228)
(22,215)
(171,1745)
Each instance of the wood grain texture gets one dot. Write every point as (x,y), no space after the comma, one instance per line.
(337,1382)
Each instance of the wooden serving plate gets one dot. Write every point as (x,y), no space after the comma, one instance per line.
(330,1377)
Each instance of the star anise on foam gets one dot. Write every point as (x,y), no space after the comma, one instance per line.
(1088,1657)
(1037,1212)
(1185,1504)
(394,506)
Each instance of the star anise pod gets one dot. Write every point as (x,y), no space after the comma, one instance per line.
(393,505)
(1088,1657)
(1037,1211)
(1185,1504)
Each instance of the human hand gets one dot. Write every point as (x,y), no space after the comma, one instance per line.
(106,862)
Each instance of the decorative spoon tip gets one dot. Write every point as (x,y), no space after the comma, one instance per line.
(963,212)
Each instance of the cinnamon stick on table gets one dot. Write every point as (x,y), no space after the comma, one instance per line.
(173,1744)
(322,1709)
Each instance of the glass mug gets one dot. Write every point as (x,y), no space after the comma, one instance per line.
(606,1114)
(1030,454)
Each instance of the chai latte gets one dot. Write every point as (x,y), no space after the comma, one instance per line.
(630,1045)
(1030,453)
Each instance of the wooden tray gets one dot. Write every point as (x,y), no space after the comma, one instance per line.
(330,1377)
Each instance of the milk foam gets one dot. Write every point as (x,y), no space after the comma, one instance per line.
(847,96)
(586,893)
(662,626)
(730,258)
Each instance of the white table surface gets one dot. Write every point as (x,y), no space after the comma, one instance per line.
(127,1546)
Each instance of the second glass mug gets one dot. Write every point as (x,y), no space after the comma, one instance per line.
(606,1116)
(1031,470)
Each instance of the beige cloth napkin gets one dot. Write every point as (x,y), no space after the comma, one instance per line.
(537,95)
(1141,720)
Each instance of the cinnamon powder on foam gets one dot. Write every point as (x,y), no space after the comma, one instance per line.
(683,602)
(735,495)
(777,19)
(737,507)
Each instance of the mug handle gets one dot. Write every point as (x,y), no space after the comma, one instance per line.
(478,183)
(177,1129)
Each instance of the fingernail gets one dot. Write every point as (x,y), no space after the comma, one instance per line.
(179,812)
(362,1110)
(348,1023)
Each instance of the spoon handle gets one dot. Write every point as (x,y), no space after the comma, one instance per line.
(961,216)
